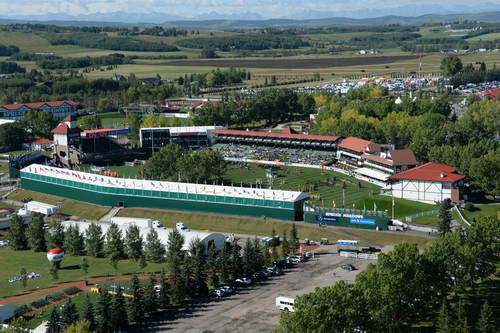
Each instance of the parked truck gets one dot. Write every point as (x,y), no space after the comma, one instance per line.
(140,222)
(37,207)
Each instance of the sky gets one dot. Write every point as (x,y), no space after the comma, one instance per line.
(264,8)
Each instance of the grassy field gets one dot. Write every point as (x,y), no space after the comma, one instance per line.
(68,206)
(490,36)
(482,210)
(251,226)
(14,261)
(314,181)
(111,119)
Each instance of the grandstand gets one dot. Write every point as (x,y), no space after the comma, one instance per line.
(122,192)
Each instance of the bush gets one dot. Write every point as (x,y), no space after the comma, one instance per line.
(39,303)
(20,310)
(71,290)
(469,206)
(55,297)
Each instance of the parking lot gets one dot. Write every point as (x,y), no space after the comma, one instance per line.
(253,309)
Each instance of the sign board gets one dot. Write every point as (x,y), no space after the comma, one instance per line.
(321,218)
(355,220)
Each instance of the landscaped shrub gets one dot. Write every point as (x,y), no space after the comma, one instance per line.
(20,310)
(39,303)
(55,297)
(469,206)
(72,290)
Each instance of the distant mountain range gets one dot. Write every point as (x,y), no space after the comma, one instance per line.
(215,21)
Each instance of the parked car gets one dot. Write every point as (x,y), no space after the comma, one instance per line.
(227,289)
(295,259)
(244,281)
(348,267)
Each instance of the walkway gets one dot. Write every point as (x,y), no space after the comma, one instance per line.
(109,215)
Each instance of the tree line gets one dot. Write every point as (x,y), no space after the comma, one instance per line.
(80,62)
(8,50)
(244,42)
(173,163)
(7,67)
(407,286)
(104,41)
(270,106)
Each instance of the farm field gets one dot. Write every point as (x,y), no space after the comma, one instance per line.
(14,261)
(490,36)
(294,63)
(68,206)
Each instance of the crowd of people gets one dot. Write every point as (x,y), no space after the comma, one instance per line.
(289,155)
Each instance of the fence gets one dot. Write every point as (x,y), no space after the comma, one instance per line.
(421,214)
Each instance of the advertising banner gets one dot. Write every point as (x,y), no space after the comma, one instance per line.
(321,218)
(355,220)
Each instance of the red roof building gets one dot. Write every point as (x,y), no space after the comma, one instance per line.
(276,139)
(59,109)
(432,182)
(63,128)
(358,145)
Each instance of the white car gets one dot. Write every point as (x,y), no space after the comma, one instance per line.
(244,281)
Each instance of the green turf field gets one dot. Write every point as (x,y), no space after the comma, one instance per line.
(14,261)
(112,119)
(68,206)
(482,210)
(358,194)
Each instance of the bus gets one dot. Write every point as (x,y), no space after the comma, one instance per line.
(285,303)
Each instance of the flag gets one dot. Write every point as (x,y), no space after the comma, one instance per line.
(333,204)
(393,203)
(420,63)
(374,206)
(353,205)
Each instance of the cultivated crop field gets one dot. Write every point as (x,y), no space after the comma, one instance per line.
(294,63)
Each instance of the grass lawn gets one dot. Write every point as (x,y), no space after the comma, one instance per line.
(250,226)
(68,206)
(481,210)
(384,238)
(14,261)
(111,119)
(358,194)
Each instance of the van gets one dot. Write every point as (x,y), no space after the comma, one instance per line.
(181,226)
(285,303)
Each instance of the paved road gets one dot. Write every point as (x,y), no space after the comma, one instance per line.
(253,309)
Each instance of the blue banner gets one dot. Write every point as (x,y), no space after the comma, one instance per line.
(327,218)
(355,220)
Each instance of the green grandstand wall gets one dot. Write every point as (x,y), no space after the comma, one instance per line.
(112,196)
(350,218)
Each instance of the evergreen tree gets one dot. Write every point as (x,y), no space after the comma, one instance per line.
(445,217)
(224,263)
(266,256)
(163,299)
(23,273)
(135,306)
(17,234)
(236,261)
(85,266)
(212,265)
(285,247)
(150,297)
(55,236)
(142,263)
(94,241)
(197,261)
(248,258)
(114,242)
(294,239)
(486,322)
(258,256)
(69,314)
(103,313)
(175,261)
(73,241)
(54,273)
(88,312)
(36,234)
(444,325)
(54,322)
(133,242)
(118,311)
(462,326)
(82,326)
(153,249)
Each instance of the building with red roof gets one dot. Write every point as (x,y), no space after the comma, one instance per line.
(38,145)
(431,182)
(323,142)
(67,142)
(490,94)
(59,109)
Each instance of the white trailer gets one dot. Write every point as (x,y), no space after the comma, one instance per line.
(140,222)
(285,303)
(38,207)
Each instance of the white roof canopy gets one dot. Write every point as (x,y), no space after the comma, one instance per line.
(151,185)
(373,174)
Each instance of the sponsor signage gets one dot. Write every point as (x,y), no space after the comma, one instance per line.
(345,215)
(327,218)
(355,220)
